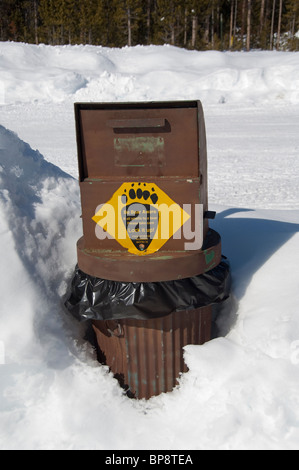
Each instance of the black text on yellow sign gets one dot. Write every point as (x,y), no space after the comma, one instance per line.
(141,217)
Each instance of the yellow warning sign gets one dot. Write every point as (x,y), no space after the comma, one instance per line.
(141,217)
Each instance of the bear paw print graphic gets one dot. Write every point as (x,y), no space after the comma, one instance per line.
(140,216)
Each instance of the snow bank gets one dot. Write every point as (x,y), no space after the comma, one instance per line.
(88,73)
(39,210)
(241,391)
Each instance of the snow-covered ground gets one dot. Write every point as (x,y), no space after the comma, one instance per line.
(241,391)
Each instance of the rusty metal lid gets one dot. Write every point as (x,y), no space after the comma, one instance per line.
(160,266)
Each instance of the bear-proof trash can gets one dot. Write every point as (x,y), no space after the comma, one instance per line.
(149,266)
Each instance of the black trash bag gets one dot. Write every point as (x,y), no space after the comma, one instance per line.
(92,298)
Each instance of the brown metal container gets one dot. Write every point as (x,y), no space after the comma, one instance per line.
(157,146)
(146,152)
(146,356)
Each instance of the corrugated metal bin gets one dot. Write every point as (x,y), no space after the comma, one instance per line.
(136,159)
(146,356)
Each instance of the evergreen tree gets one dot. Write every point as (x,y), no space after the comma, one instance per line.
(203,23)
(11,20)
(48,14)
(5,8)
(128,18)
(292,23)
(196,24)
(68,14)
(87,20)
(170,21)
(110,24)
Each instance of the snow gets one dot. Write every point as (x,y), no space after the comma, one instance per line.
(241,391)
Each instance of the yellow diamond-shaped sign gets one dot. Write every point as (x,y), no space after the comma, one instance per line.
(141,217)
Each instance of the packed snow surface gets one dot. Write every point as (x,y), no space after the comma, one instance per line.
(241,391)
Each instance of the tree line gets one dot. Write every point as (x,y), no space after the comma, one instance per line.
(192,24)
